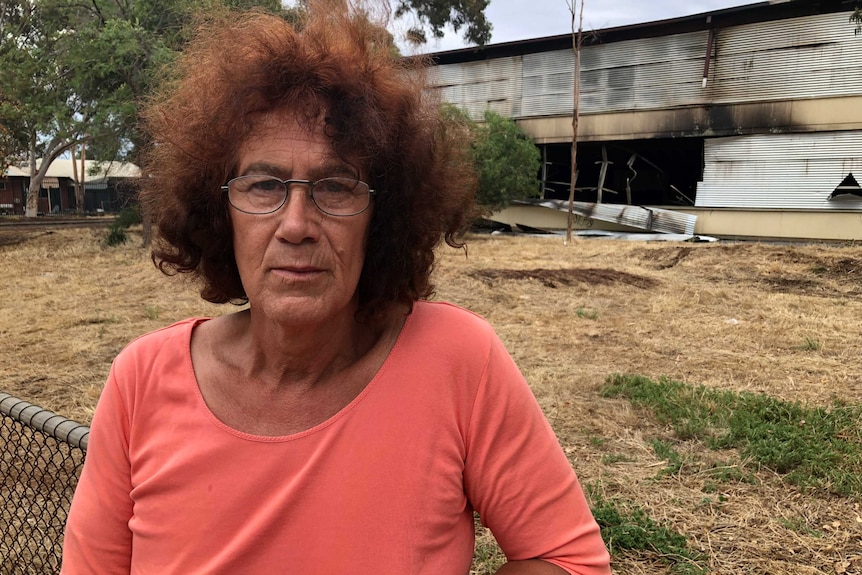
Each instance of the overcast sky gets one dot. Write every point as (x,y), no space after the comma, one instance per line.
(522,19)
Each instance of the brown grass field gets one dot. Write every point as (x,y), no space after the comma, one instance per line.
(738,316)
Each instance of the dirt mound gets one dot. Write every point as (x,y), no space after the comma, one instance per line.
(553,278)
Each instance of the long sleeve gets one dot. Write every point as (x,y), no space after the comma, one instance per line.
(519,480)
(97,538)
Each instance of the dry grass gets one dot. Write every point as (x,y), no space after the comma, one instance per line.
(777,319)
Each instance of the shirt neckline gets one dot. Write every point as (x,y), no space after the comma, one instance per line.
(336,417)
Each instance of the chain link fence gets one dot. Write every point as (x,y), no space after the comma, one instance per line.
(41,455)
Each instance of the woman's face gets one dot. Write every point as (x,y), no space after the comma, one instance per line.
(298,265)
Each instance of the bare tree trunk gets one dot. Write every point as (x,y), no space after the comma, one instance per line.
(51,152)
(79,191)
(577,43)
(32,207)
(76,181)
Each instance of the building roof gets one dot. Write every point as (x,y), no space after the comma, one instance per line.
(766,10)
(96,170)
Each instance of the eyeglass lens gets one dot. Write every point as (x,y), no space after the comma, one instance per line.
(266,194)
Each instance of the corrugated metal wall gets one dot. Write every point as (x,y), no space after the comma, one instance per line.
(810,57)
(816,56)
(632,75)
(779,171)
(479,86)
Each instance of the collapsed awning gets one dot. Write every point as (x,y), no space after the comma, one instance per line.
(639,217)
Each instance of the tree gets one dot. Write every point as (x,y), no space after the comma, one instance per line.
(577,44)
(75,71)
(436,14)
(856,17)
(507,162)
(62,87)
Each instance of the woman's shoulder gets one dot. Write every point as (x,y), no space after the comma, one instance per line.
(450,325)
(174,338)
(450,317)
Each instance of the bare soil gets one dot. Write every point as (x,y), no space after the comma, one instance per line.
(779,319)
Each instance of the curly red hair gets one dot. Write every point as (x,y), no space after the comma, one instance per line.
(240,66)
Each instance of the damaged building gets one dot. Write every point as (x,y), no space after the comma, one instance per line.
(744,122)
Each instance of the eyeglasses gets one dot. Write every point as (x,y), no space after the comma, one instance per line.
(258,194)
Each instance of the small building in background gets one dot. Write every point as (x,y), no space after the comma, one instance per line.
(108,186)
(748,119)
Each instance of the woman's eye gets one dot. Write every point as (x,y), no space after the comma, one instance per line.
(266,186)
(332,186)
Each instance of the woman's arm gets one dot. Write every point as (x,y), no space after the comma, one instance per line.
(97,537)
(521,483)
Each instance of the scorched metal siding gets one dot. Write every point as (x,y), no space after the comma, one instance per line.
(779,171)
(810,57)
(479,86)
(632,75)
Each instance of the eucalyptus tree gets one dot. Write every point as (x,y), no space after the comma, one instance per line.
(74,72)
(435,15)
(68,79)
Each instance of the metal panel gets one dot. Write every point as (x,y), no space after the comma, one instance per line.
(779,171)
(479,86)
(640,217)
(808,57)
(631,75)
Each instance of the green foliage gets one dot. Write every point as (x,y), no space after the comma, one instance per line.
(129,216)
(506,160)
(435,15)
(73,72)
(116,237)
(813,447)
(666,451)
(627,528)
(856,18)
(810,344)
(799,525)
(616,458)
(586,313)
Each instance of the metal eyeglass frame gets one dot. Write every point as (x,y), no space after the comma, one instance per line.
(287,183)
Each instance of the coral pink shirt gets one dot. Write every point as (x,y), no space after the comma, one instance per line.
(386,486)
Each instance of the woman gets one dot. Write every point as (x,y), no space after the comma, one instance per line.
(340,423)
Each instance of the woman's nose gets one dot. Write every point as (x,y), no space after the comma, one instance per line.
(299,218)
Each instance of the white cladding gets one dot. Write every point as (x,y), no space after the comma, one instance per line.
(780,171)
(809,57)
(814,56)
(479,86)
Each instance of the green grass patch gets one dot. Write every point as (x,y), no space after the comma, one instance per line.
(628,528)
(810,344)
(813,447)
(151,312)
(612,458)
(668,452)
(800,526)
(586,313)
